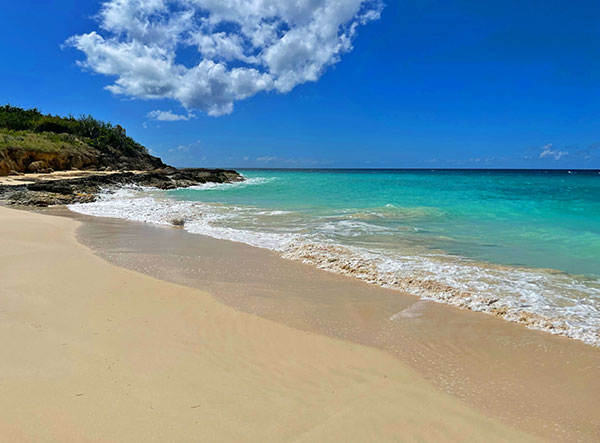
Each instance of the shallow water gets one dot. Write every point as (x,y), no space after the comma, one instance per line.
(524,245)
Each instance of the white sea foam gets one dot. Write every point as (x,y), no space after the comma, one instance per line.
(139,204)
(252,181)
(350,228)
(540,299)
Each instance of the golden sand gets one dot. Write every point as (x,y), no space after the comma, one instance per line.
(93,352)
(30,178)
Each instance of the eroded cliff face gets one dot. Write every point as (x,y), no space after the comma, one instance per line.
(21,160)
(98,163)
(33,142)
(35,153)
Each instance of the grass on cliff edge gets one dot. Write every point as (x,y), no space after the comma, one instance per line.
(42,142)
(20,128)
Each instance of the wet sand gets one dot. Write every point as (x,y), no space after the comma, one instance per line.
(93,352)
(540,383)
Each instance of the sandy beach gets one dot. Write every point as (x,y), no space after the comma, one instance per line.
(299,221)
(29,178)
(93,352)
(538,382)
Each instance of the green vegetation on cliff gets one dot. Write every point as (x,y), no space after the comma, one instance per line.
(31,141)
(46,141)
(97,133)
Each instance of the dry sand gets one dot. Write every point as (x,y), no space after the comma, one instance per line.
(30,178)
(93,352)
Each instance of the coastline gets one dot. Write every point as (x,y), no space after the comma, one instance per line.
(411,247)
(94,352)
(541,383)
(68,187)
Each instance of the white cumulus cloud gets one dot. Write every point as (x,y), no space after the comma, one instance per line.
(243,46)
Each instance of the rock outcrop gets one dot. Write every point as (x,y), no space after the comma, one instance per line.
(20,159)
(83,190)
(33,142)
(97,154)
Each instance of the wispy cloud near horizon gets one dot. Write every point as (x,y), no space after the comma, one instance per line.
(244,47)
(548,152)
(545,156)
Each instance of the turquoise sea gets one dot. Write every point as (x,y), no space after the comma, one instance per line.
(524,245)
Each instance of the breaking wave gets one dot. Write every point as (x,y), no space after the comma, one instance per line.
(541,299)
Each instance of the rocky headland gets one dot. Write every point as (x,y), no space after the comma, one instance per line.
(48,160)
(83,187)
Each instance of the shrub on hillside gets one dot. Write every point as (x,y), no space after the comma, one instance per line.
(101,135)
(12,117)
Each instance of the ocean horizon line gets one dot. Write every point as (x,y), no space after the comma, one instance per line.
(247,168)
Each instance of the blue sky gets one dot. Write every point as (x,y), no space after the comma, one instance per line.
(428,84)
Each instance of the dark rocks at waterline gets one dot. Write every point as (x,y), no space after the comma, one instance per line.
(84,189)
(178,222)
(43,199)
